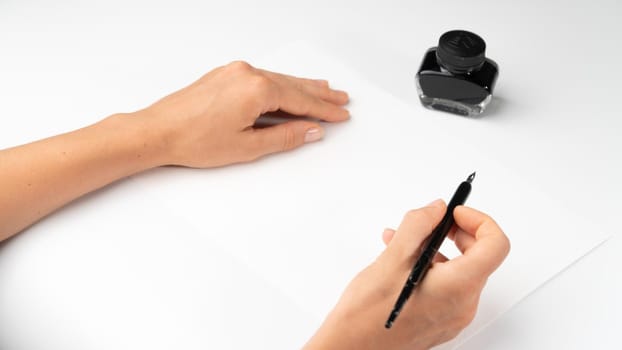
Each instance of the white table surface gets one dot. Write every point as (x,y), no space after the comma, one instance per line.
(563,57)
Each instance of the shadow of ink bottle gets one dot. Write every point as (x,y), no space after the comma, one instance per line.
(456,76)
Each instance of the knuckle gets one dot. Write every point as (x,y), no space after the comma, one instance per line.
(289,139)
(467,317)
(241,66)
(502,239)
(460,323)
(300,86)
(260,84)
(505,244)
(260,94)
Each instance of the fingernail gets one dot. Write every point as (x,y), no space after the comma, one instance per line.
(313,134)
(346,114)
(347,96)
(436,203)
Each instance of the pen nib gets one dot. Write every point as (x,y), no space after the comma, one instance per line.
(471,177)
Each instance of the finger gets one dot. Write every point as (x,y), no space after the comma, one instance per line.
(271,74)
(322,91)
(387,235)
(415,227)
(327,94)
(317,88)
(296,101)
(463,240)
(285,136)
(320,82)
(488,245)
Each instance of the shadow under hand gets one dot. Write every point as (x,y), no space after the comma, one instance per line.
(279,117)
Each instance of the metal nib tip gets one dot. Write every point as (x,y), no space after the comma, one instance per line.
(471,177)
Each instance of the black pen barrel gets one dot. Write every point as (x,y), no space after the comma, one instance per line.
(430,248)
(440,232)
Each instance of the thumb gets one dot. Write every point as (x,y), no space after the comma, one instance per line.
(287,136)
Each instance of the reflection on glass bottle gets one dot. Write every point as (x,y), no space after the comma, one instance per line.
(456,76)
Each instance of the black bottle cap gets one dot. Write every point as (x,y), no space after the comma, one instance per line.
(460,51)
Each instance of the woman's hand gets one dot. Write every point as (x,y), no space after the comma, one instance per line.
(439,308)
(210,123)
(207,124)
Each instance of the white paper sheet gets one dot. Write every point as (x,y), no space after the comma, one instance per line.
(309,220)
(114,271)
(256,255)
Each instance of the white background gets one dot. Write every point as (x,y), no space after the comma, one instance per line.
(555,119)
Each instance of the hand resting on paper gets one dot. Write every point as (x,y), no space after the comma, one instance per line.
(211,123)
(439,308)
(206,124)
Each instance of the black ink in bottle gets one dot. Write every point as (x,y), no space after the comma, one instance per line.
(456,76)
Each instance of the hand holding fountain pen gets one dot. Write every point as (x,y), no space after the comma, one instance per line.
(431,246)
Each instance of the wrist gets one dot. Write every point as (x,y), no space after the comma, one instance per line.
(336,333)
(144,144)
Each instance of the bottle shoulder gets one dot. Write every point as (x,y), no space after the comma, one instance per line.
(485,77)
(429,62)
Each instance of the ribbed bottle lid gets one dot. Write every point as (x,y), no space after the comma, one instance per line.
(460,51)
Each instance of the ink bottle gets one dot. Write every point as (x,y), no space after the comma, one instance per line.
(456,76)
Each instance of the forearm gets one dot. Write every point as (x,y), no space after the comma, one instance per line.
(206,124)
(40,177)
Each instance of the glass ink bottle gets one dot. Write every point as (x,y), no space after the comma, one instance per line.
(456,76)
